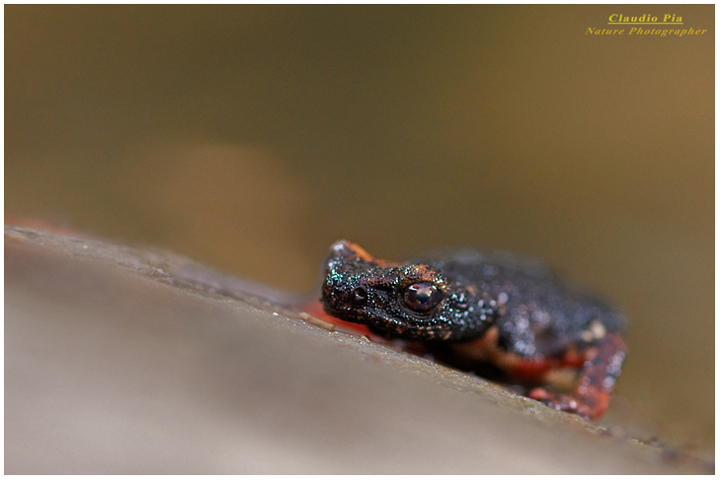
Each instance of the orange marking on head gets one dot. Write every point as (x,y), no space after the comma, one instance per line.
(359,251)
(362,254)
(425,273)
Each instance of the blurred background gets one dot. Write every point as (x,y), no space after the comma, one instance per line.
(251,138)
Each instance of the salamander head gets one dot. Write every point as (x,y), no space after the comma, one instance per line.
(407,301)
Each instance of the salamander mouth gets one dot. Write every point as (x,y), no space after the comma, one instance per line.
(343,313)
(339,306)
(387,325)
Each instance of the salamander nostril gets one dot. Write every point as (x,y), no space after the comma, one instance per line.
(359,295)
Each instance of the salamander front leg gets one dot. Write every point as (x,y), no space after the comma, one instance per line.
(591,396)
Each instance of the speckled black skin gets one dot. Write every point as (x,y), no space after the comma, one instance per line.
(464,313)
(538,314)
(447,302)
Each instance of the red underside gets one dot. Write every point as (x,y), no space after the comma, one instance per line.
(531,369)
(315,309)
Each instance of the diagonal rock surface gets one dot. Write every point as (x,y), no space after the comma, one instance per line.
(132,360)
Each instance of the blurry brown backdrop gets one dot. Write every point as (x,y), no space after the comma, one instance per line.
(250,138)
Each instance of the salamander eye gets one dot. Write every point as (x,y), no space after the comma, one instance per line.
(421,297)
